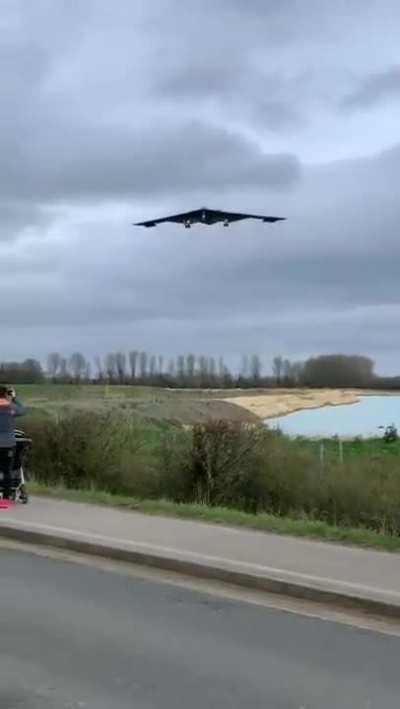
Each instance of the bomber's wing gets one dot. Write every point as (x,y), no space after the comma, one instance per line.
(174,218)
(238,216)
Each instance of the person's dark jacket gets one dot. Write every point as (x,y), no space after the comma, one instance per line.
(8,412)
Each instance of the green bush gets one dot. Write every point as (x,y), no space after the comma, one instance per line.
(217,464)
(103,451)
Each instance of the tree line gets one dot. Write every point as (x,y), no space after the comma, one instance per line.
(30,371)
(194,371)
(199,371)
(183,371)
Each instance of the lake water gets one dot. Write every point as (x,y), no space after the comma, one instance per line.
(361,419)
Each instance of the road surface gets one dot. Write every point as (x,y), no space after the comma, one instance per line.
(75,636)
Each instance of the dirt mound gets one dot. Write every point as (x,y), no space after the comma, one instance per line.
(191,411)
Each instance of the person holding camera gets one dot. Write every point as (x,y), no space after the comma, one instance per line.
(10,408)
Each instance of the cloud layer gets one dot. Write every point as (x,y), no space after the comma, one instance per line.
(114,115)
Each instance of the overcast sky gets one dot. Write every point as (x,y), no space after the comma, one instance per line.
(117,111)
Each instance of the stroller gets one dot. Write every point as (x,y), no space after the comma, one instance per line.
(12,478)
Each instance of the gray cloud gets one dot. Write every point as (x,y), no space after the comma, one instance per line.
(100,160)
(18,215)
(373,90)
(270,102)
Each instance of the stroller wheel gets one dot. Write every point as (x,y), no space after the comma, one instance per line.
(23,495)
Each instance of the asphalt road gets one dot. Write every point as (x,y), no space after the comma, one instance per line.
(79,636)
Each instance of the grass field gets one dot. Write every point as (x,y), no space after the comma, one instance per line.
(176,406)
(73,391)
(184,406)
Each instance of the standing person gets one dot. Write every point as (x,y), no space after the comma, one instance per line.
(9,409)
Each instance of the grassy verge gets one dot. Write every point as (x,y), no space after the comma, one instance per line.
(304,527)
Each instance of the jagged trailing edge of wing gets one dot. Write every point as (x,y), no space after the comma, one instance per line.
(208,217)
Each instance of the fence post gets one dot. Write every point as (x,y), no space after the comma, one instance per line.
(341,457)
(322,457)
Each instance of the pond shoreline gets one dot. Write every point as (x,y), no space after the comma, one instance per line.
(367,417)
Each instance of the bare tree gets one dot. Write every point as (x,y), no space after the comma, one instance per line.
(255,368)
(153,366)
(143,359)
(133,359)
(53,363)
(212,369)
(224,375)
(120,363)
(160,365)
(203,370)
(110,366)
(171,368)
(277,368)
(77,363)
(244,369)
(287,370)
(181,368)
(190,367)
(63,370)
(99,367)
(88,372)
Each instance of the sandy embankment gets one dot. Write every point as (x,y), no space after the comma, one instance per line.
(280,403)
